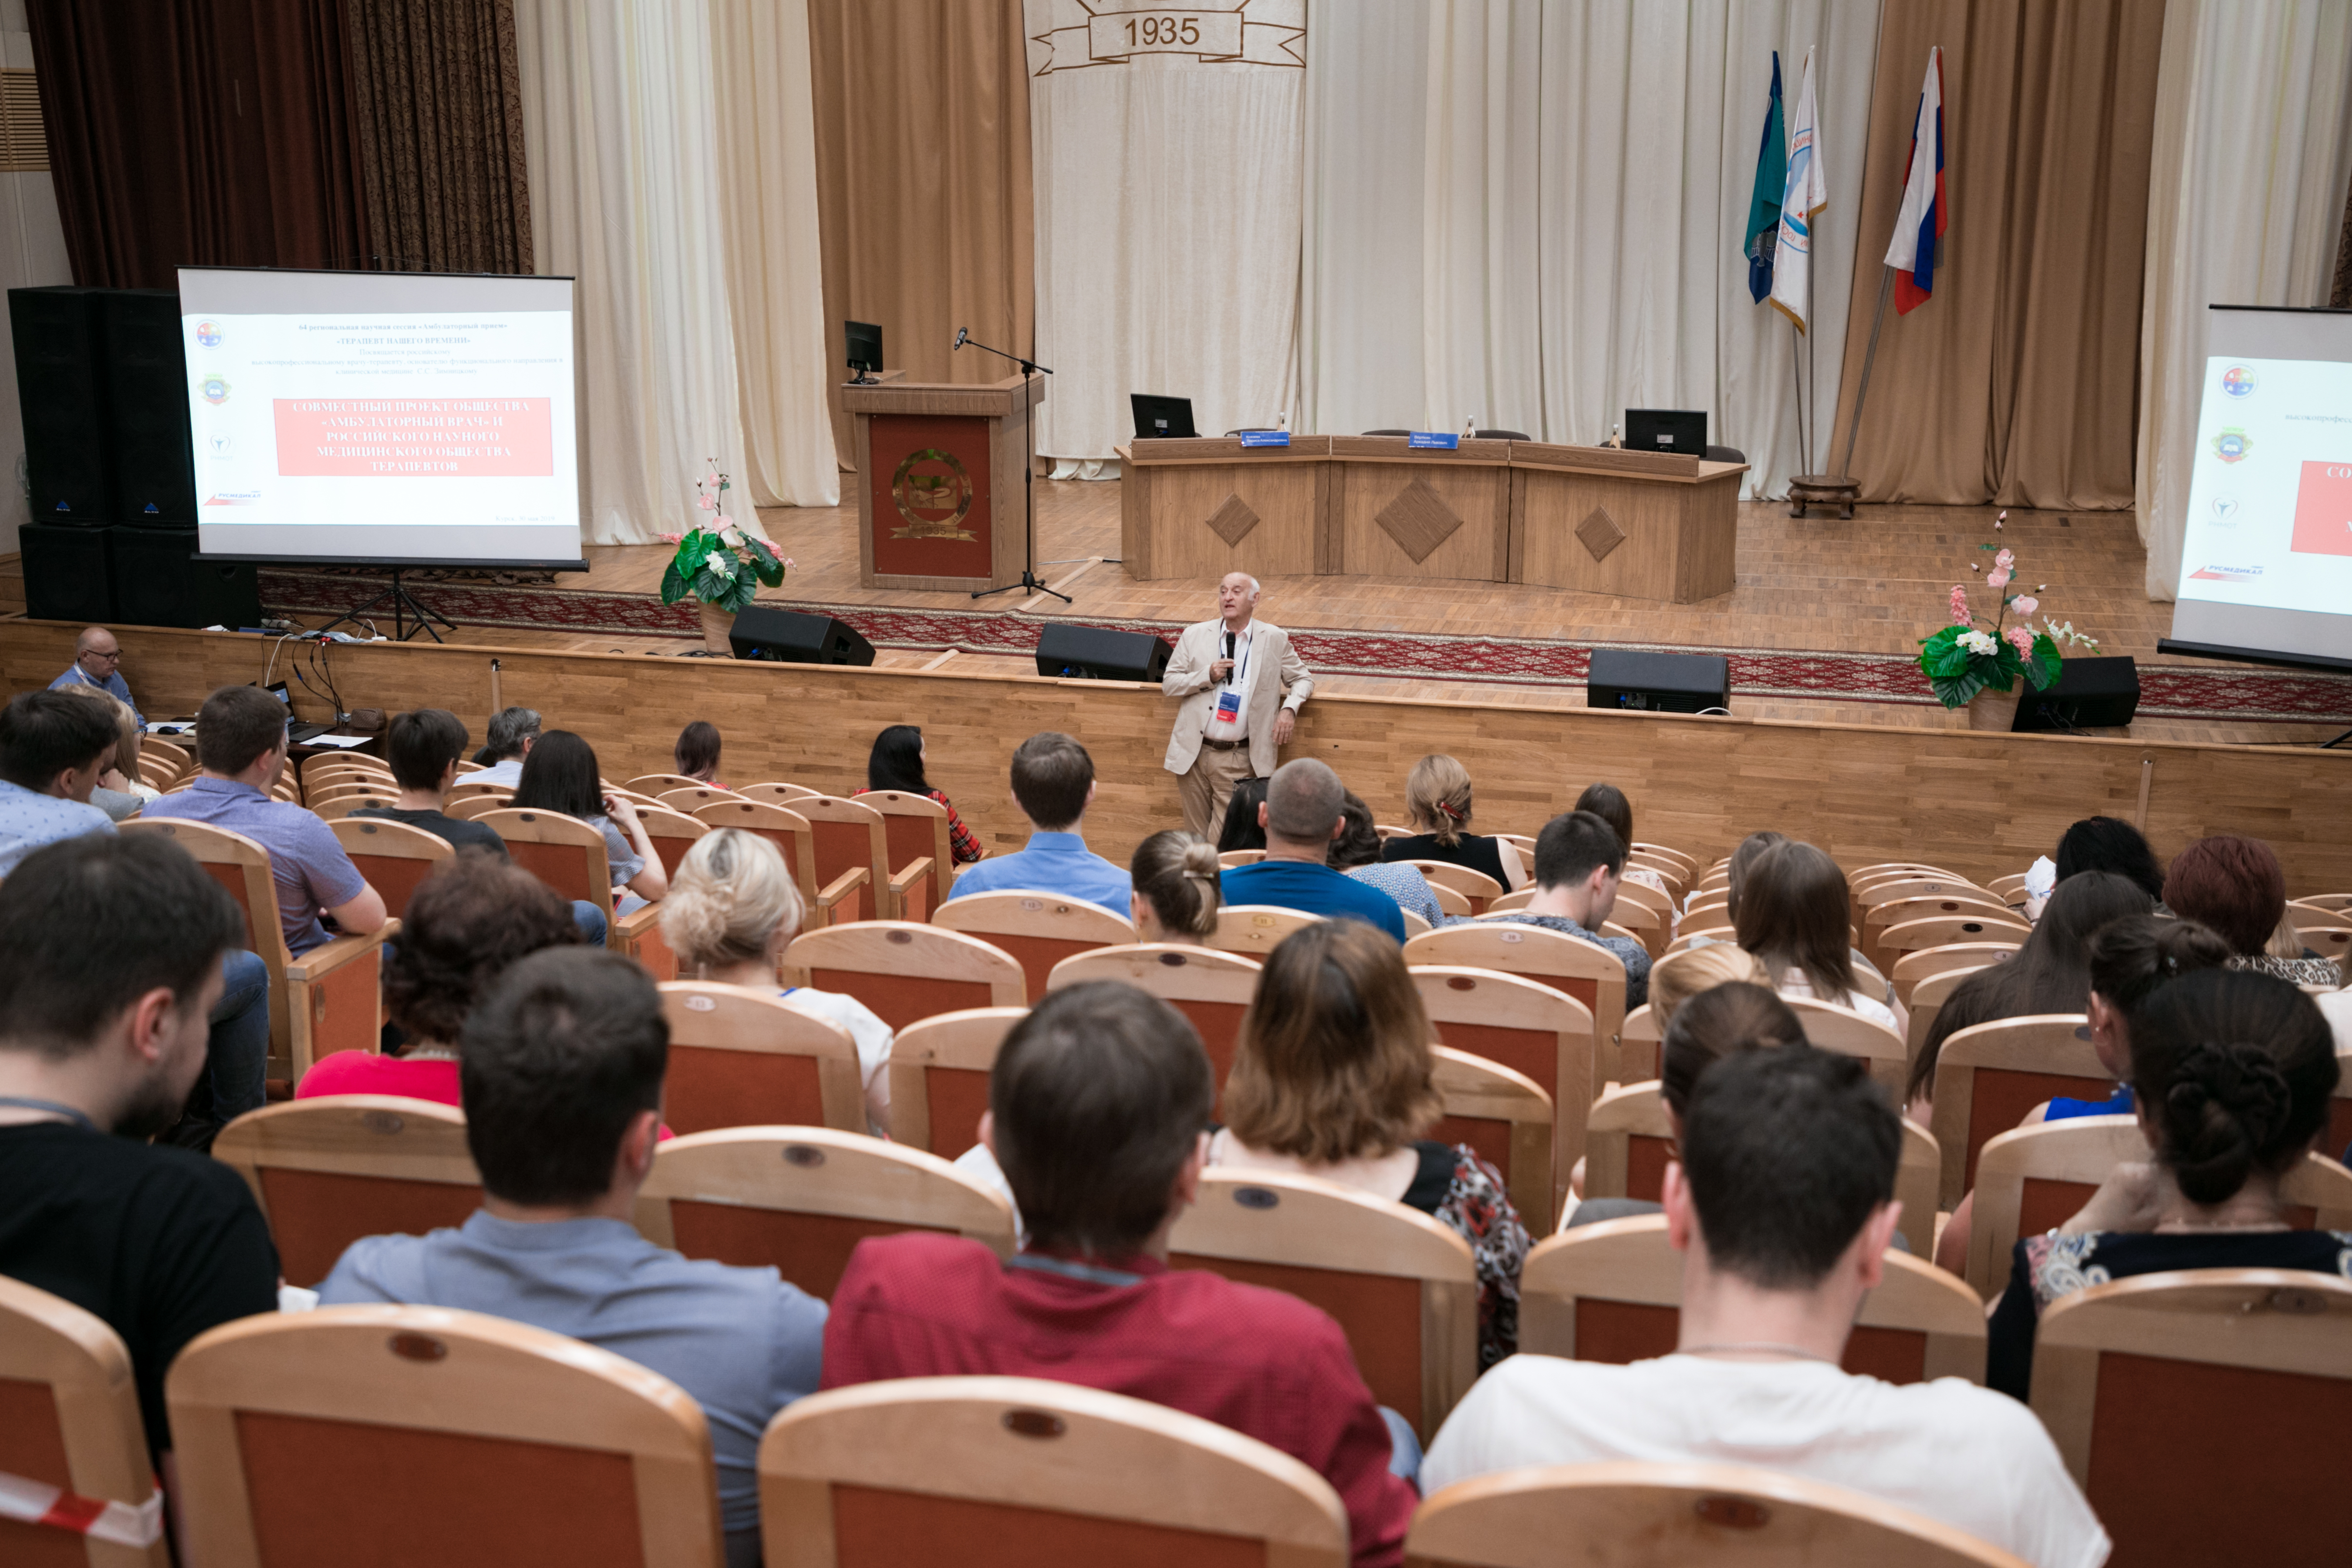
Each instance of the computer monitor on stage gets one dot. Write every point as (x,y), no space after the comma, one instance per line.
(1157,416)
(1675,430)
(865,340)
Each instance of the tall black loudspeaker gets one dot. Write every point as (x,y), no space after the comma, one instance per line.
(66,575)
(1093,654)
(788,637)
(147,401)
(61,388)
(158,581)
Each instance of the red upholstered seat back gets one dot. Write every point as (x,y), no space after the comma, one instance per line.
(2339,1127)
(708,1088)
(396,877)
(1489,1137)
(2002,1097)
(1645,1166)
(1380,1315)
(1534,1053)
(957,1096)
(31,1446)
(901,999)
(1035,955)
(1219,1025)
(846,846)
(808,1249)
(563,867)
(232,877)
(315,1215)
(876,1529)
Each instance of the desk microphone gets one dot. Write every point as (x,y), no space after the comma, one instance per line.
(962,335)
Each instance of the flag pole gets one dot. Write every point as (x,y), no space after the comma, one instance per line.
(1885,284)
(1796,375)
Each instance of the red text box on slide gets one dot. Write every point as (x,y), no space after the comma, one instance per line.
(426,437)
(2323,510)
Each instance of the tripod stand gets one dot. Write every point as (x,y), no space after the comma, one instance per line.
(403,605)
(1029,582)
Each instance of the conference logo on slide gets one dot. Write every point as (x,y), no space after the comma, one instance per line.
(2323,510)
(216,389)
(2238,382)
(2232,445)
(208,333)
(2225,511)
(2225,574)
(219,442)
(234,498)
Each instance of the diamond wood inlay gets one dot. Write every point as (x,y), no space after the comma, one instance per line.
(1600,533)
(1418,519)
(1232,521)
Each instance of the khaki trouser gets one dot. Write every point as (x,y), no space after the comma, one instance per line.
(1208,784)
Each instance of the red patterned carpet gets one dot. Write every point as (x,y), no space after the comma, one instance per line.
(2237,693)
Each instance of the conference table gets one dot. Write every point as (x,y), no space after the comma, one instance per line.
(1641,525)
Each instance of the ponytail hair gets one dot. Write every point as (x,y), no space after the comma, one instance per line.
(1437,796)
(1177,875)
(2235,1070)
(730,897)
(2132,958)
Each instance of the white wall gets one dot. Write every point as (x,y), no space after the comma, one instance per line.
(32,253)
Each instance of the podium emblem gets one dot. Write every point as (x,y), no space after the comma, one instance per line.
(933,493)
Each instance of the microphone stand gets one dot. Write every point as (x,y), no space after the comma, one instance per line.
(1029,579)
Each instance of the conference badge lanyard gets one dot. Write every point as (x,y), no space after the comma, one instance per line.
(1229,699)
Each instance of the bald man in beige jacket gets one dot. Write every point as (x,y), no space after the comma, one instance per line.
(1241,685)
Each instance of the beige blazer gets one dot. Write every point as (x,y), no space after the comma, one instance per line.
(1280,682)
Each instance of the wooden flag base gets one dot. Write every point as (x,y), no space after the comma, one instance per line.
(1823,490)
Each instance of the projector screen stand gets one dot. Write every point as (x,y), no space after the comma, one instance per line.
(403,605)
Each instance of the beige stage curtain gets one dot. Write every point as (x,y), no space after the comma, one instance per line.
(2253,146)
(2014,385)
(775,267)
(923,196)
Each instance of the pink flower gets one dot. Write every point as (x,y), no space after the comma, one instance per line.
(2025,604)
(2005,560)
(2022,639)
(2002,518)
(725,521)
(790,563)
(1998,578)
(706,503)
(1960,602)
(669,538)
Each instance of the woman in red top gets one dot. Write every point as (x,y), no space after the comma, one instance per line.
(897,763)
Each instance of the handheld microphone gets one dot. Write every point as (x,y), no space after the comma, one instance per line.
(962,335)
(1229,654)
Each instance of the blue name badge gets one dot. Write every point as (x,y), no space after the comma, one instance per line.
(1228,706)
(1265,438)
(1428,439)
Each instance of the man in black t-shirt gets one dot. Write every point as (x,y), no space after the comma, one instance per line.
(110,952)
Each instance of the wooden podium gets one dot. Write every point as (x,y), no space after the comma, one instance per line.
(941,473)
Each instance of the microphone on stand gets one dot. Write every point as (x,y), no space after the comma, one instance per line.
(963,335)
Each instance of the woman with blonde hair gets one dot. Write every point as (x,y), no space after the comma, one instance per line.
(1177,889)
(1679,976)
(119,792)
(1333,1078)
(733,909)
(1437,803)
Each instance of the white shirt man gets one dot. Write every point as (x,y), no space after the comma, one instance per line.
(1242,686)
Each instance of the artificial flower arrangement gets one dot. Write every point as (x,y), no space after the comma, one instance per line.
(720,565)
(1978,653)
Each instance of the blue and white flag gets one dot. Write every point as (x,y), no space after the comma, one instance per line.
(1806,193)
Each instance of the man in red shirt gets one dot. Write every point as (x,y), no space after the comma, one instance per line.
(1096,1108)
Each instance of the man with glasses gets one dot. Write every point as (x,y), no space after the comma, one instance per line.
(97,661)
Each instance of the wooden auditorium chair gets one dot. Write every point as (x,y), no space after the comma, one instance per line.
(394,857)
(689,799)
(2330,942)
(468,789)
(569,856)
(1039,929)
(329,999)
(1475,886)
(1254,930)
(795,839)
(1537,1032)
(1211,989)
(1402,1285)
(938,1077)
(329,1171)
(672,834)
(1017,1470)
(1878,918)
(1898,941)
(1912,969)
(1506,1117)
(1850,1034)
(2033,1179)
(655,784)
(1640,1047)
(1228,859)
(1696,930)
(1413,924)
(775,792)
(918,849)
(905,971)
(342,806)
(1691,1515)
(423,1434)
(1927,999)
(1449,902)
(474,808)
(70,1428)
(1511,901)
(1895,887)
(850,835)
(178,755)
(2203,1412)
(1645,911)
(1612,1291)
(1584,970)
(744,1058)
(344,788)
(1988,1076)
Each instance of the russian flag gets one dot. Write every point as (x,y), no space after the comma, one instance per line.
(1919,225)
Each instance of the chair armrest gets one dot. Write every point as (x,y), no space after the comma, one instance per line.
(913,871)
(845,884)
(321,962)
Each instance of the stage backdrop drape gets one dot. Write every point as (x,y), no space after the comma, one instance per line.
(1168,187)
(208,131)
(1530,212)
(923,192)
(2254,147)
(618,121)
(775,268)
(2014,385)
(437,120)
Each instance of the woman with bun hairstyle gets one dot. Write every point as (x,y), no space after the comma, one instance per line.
(1356,854)
(1437,804)
(2232,1073)
(733,909)
(1177,891)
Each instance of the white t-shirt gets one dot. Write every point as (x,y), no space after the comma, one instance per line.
(1245,679)
(2337,1008)
(874,1040)
(1796,984)
(1973,1458)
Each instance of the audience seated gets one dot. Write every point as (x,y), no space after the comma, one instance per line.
(1609,803)
(2236,886)
(561,776)
(110,952)
(1239,830)
(897,763)
(1302,815)
(513,732)
(1053,783)
(119,792)
(2232,1073)
(730,914)
(2111,844)
(98,661)
(1096,1109)
(561,1065)
(52,749)
(1748,851)
(1356,852)
(1437,803)
(696,754)
(1178,891)
(1333,1078)
(1679,976)
(1783,1207)
(465,926)
(1795,914)
(1579,861)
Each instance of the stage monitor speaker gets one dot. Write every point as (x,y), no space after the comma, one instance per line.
(1657,682)
(66,575)
(2089,693)
(61,388)
(158,581)
(1096,654)
(147,401)
(788,637)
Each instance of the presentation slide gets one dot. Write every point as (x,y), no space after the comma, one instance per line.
(416,418)
(2266,562)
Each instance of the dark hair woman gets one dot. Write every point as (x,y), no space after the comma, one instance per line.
(560,775)
(897,763)
(1795,914)
(1356,852)
(697,752)
(2236,886)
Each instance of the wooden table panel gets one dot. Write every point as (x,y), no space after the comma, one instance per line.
(1286,497)
(1679,536)
(1480,495)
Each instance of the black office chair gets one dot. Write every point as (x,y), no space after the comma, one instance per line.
(1502,435)
(1724,454)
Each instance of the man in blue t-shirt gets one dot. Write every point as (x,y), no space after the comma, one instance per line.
(1053,783)
(1302,814)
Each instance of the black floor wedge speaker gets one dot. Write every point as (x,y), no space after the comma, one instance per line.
(787,637)
(2089,693)
(1096,654)
(1657,682)
(65,572)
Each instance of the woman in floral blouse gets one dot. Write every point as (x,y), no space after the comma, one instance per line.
(897,763)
